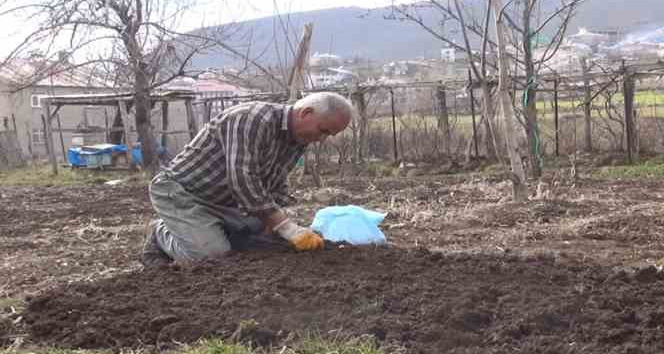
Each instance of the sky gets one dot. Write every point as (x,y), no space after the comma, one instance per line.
(201,13)
(225,11)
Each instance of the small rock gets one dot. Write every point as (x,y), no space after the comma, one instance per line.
(415,172)
(163,320)
(325,195)
(421,216)
(647,275)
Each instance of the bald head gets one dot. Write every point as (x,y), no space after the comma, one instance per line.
(319,115)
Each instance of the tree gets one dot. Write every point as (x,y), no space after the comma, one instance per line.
(473,29)
(520,191)
(531,34)
(135,40)
(523,28)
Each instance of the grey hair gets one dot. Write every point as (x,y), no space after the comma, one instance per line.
(326,104)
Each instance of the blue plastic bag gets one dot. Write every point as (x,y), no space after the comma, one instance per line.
(349,223)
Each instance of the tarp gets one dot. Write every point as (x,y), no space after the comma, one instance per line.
(76,154)
(349,223)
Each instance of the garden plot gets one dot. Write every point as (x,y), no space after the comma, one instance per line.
(574,270)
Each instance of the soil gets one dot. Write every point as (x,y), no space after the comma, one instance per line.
(574,270)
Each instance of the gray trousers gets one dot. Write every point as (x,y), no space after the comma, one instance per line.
(190,230)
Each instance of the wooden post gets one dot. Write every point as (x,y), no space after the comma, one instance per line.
(295,83)
(628,94)
(555,115)
(587,106)
(164,123)
(472,112)
(208,111)
(191,119)
(443,118)
(363,142)
(28,132)
(43,120)
(106,131)
(296,77)
(62,140)
(394,127)
(48,135)
(124,115)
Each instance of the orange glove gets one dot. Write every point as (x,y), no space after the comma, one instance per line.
(302,238)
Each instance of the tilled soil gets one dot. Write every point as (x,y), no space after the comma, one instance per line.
(420,301)
(552,275)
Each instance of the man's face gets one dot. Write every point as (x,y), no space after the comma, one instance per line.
(309,127)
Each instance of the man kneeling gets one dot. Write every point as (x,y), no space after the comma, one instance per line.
(225,189)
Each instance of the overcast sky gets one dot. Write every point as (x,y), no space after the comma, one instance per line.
(224,11)
(203,13)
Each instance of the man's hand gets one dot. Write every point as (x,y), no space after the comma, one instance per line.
(302,238)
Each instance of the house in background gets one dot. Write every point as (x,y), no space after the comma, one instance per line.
(327,70)
(23,85)
(211,84)
(328,77)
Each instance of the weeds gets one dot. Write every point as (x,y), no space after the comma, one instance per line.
(41,175)
(646,170)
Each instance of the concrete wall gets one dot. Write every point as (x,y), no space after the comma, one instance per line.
(5,110)
(28,112)
(30,127)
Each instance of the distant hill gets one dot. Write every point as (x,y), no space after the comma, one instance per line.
(351,32)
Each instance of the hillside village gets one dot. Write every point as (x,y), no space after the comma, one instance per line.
(324,70)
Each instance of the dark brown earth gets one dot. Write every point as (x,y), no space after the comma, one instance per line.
(426,302)
(575,270)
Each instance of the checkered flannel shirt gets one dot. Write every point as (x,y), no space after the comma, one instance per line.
(241,158)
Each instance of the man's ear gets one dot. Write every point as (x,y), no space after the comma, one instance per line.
(307,110)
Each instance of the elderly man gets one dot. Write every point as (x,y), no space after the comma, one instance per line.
(230,182)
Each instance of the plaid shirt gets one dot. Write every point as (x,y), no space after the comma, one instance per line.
(241,158)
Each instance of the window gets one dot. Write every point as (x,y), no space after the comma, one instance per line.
(36,101)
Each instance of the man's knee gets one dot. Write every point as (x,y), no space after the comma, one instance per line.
(195,244)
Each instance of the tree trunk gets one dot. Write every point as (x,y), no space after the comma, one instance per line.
(529,107)
(587,105)
(532,129)
(490,142)
(142,117)
(520,191)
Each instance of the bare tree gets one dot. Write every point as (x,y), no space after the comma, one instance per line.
(524,22)
(473,29)
(531,34)
(520,191)
(134,39)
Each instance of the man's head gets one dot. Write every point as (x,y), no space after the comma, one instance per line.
(319,115)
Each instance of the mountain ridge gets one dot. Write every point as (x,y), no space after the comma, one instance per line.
(366,33)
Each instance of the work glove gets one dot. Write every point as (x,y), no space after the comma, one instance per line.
(302,238)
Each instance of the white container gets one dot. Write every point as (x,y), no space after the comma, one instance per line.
(77,141)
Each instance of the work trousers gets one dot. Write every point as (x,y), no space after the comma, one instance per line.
(191,230)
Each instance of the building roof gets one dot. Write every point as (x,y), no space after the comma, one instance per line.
(112,99)
(23,73)
(206,82)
